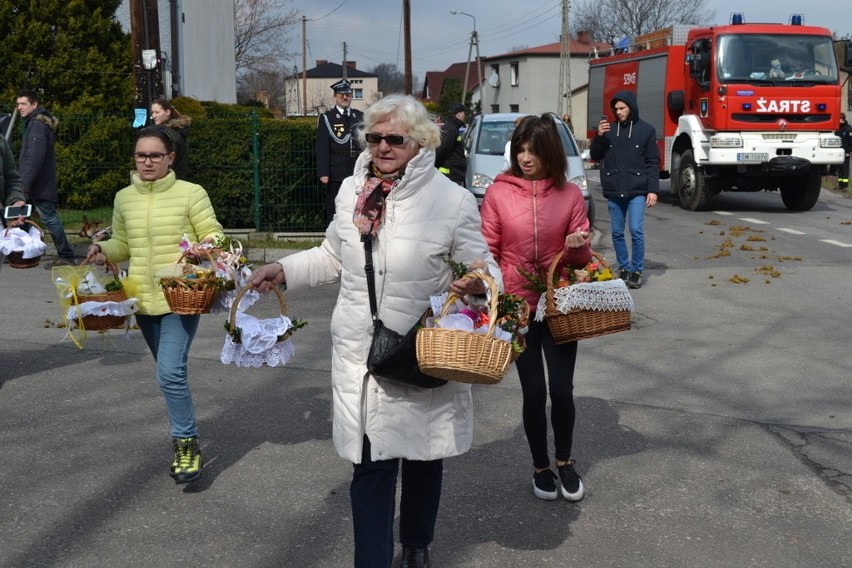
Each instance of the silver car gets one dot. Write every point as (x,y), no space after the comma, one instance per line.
(485,142)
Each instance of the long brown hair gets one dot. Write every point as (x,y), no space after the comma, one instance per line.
(167,106)
(542,138)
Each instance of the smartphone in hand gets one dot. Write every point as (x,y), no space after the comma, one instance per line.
(15,211)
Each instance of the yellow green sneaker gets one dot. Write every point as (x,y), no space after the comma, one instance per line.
(187,463)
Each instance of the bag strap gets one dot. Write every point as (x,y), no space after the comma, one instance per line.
(371,277)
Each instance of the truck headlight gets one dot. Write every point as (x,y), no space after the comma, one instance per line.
(726,142)
(832,142)
(481,180)
(581,181)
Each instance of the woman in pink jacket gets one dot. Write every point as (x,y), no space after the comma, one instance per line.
(529,215)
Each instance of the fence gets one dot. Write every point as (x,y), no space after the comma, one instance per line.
(260,172)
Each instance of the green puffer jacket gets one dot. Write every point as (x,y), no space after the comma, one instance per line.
(148,221)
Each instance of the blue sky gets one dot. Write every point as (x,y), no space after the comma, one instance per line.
(372,29)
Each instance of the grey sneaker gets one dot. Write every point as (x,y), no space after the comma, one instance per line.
(635,280)
(544,485)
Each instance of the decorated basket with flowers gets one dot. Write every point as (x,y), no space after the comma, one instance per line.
(193,284)
(23,247)
(472,343)
(580,303)
(252,342)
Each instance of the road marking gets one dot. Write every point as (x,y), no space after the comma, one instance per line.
(791,231)
(836,243)
(722,212)
(755,221)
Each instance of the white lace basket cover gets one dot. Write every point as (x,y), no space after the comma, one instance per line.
(28,243)
(259,343)
(606,296)
(91,285)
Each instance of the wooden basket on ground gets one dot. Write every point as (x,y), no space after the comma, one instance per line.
(464,356)
(102,323)
(580,323)
(16,258)
(231,326)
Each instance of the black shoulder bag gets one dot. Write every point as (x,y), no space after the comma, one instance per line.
(393,357)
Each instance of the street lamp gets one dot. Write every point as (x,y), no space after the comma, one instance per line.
(474,41)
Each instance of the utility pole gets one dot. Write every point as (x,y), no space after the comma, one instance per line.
(563,104)
(344,60)
(406,40)
(175,23)
(304,67)
(145,37)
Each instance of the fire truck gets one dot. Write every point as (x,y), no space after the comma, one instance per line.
(737,107)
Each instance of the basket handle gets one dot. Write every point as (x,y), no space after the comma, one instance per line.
(109,266)
(31,222)
(552,270)
(492,307)
(232,315)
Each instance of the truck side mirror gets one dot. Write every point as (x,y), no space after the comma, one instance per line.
(847,56)
(675,101)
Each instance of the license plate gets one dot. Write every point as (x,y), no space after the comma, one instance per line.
(752,157)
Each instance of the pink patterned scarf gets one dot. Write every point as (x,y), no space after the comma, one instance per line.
(370,202)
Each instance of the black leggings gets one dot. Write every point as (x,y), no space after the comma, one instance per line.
(560,372)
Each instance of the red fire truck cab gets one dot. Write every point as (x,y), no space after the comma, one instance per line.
(739,107)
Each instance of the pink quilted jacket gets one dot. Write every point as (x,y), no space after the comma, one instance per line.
(525,224)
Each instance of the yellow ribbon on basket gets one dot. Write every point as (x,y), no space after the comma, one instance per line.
(67,279)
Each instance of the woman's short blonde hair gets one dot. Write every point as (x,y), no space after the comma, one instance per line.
(412,115)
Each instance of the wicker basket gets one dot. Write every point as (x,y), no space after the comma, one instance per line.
(190,296)
(103,323)
(16,259)
(231,326)
(580,324)
(462,356)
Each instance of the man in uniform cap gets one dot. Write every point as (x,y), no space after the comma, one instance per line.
(449,156)
(337,146)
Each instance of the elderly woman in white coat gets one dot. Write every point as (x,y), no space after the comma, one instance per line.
(416,217)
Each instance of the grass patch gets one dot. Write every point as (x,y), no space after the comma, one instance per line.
(72,219)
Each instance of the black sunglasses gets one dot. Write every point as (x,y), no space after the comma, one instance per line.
(391,139)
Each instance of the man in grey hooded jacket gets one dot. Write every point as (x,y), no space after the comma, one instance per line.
(630,179)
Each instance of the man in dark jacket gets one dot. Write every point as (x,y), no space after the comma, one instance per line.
(845,134)
(449,157)
(10,184)
(38,171)
(337,145)
(630,178)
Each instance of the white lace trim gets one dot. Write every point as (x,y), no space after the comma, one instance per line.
(259,343)
(29,243)
(607,296)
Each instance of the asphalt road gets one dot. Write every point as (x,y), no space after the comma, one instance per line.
(715,433)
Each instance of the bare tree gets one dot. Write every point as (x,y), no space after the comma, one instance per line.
(266,87)
(261,34)
(610,20)
(391,79)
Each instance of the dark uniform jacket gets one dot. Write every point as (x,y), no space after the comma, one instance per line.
(631,158)
(845,134)
(38,157)
(10,180)
(449,157)
(337,145)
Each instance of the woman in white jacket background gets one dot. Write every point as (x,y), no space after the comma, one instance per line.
(416,217)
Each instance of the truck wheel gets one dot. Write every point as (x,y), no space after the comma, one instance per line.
(694,189)
(801,193)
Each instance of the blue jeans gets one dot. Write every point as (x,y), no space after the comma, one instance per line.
(47,211)
(372,493)
(168,337)
(632,211)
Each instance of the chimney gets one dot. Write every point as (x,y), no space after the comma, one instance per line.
(583,37)
(351,65)
(321,62)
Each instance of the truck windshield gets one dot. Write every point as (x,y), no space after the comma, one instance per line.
(779,59)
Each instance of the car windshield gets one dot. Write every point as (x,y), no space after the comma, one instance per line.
(776,58)
(494,135)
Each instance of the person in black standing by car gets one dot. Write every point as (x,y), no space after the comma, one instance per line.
(845,134)
(337,145)
(449,157)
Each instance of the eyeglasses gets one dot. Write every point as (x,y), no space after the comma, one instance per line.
(391,139)
(155,157)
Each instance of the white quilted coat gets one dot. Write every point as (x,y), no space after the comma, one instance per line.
(426,217)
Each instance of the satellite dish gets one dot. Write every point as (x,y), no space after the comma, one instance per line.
(494,80)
